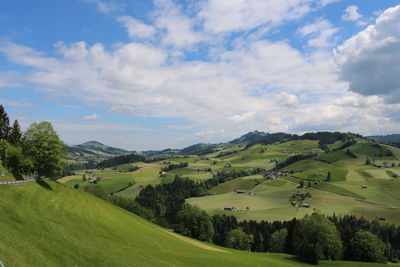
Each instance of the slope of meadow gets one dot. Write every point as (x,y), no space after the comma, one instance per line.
(54,225)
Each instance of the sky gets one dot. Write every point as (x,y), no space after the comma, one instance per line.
(161,74)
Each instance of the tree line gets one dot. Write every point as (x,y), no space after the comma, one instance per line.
(170,167)
(36,152)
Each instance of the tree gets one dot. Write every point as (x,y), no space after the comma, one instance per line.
(15,136)
(43,145)
(4,124)
(278,240)
(366,246)
(238,239)
(194,222)
(329,177)
(316,238)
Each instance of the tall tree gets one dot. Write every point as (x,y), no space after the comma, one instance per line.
(366,246)
(4,124)
(194,222)
(238,239)
(15,136)
(316,238)
(43,145)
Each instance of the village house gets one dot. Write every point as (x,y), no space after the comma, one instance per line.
(239,191)
(163,174)
(364,186)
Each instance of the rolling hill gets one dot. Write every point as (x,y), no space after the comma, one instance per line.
(54,225)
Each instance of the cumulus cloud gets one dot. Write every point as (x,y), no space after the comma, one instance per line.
(92,117)
(320,33)
(369,61)
(351,13)
(237,118)
(287,100)
(240,15)
(137,29)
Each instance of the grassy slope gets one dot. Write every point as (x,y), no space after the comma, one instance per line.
(55,225)
(348,175)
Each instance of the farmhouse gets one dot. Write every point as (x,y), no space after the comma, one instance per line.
(163,174)
(240,191)
(305,205)
(232,208)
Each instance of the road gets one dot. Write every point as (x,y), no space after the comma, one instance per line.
(22,181)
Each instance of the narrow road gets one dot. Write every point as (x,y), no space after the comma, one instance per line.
(22,181)
(335,194)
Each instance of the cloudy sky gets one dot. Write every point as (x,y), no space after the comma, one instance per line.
(145,74)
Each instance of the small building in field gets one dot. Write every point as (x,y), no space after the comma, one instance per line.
(364,186)
(395,176)
(232,208)
(305,205)
(163,174)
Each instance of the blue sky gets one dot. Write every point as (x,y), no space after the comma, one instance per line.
(158,74)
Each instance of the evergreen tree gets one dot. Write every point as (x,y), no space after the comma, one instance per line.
(4,124)
(15,136)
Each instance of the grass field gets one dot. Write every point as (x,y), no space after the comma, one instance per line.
(55,225)
(271,202)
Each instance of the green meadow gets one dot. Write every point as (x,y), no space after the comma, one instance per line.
(54,225)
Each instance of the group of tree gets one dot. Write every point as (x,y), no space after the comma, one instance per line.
(175,166)
(131,158)
(37,151)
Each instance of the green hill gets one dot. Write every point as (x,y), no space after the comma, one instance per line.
(53,225)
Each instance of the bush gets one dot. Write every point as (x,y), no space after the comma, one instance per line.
(76,186)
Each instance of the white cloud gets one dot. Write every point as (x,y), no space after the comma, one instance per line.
(137,29)
(351,13)
(369,61)
(288,100)
(92,117)
(320,33)
(237,118)
(105,6)
(241,15)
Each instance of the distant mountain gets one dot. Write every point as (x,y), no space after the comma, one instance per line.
(256,137)
(94,145)
(391,138)
(88,154)
(199,149)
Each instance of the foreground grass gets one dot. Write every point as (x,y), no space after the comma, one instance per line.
(54,225)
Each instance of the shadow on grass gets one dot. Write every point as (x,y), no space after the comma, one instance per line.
(298,259)
(44,184)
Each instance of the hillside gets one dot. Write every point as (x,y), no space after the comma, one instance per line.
(53,225)
(391,138)
(86,155)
